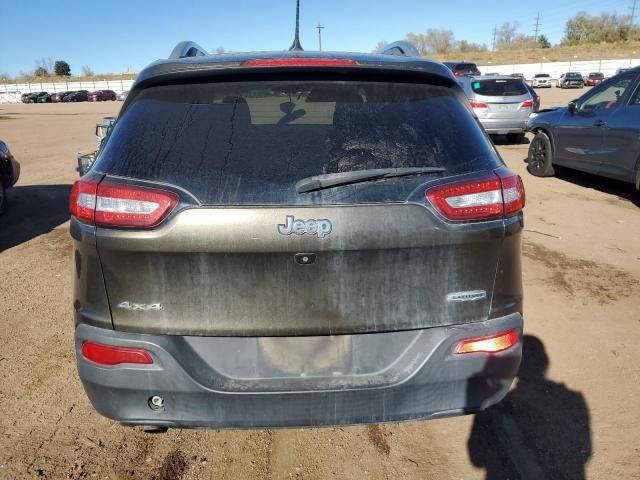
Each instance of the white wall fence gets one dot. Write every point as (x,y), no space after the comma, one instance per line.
(11,92)
(555,69)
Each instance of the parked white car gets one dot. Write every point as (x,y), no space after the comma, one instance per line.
(541,80)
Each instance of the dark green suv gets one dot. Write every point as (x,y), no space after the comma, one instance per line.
(296,239)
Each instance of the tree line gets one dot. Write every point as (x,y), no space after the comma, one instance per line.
(581,29)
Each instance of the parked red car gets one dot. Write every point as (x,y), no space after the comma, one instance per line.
(594,79)
(58,97)
(102,96)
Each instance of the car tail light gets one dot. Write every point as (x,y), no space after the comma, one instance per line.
(112,355)
(490,198)
(458,74)
(512,193)
(299,62)
(527,104)
(478,104)
(82,202)
(112,204)
(490,344)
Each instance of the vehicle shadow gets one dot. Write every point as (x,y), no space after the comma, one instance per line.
(541,429)
(602,184)
(504,140)
(32,211)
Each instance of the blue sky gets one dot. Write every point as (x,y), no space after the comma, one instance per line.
(118,36)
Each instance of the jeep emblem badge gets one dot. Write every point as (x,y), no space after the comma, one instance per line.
(320,228)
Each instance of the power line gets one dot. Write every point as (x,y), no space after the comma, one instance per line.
(320,28)
(537,26)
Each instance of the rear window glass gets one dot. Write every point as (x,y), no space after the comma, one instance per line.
(466,66)
(574,75)
(249,143)
(502,87)
(541,75)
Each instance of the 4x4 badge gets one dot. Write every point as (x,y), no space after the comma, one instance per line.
(321,227)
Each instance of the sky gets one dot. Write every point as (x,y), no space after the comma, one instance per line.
(120,36)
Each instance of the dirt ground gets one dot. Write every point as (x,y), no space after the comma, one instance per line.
(578,418)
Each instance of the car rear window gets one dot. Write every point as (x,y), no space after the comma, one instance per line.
(466,66)
(541,75)
(250,142)
(499,87)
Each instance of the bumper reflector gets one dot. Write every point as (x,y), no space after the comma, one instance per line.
(491,344)
(111,355)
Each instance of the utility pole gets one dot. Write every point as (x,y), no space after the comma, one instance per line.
(320,28)
(495,33)
(537,26)
(632,18)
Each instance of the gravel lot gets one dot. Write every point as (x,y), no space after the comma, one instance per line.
(578,418)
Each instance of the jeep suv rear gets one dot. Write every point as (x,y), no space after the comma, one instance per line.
(296,239)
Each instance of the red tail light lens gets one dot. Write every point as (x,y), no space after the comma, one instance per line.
(82,202)
(119,205)
(512,193)
(527,104)
(300,62)
(486,199)
(478,104)
(490,344)
(111,355)
(111,204)
(458,74)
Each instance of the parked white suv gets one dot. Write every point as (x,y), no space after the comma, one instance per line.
(541,80)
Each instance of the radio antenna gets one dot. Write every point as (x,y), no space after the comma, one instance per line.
(296,47)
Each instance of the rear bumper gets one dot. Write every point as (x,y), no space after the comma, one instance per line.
(222,382)
(504,126)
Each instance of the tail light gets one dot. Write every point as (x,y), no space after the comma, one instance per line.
(112,204)
(458,74)
(299,62)
(490,344)
(498,196)
(527,104)
(478,104)
(111,355)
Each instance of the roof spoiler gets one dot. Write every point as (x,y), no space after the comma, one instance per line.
(401,48)
(187,49)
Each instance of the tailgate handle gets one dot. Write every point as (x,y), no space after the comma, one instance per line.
(599,123)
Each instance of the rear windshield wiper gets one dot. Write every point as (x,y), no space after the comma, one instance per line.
(320,182)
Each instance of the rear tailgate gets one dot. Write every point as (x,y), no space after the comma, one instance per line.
(230,272)
(246,255)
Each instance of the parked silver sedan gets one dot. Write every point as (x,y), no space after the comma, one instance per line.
(502,104)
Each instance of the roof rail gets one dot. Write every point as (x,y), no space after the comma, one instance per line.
(187,49)
(401,48)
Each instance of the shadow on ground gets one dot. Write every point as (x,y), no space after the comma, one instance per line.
(602,184)
(32,211)
(540,430)
(504,140)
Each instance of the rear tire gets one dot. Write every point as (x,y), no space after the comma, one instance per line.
(515,138)
(540,158)
(3,196)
